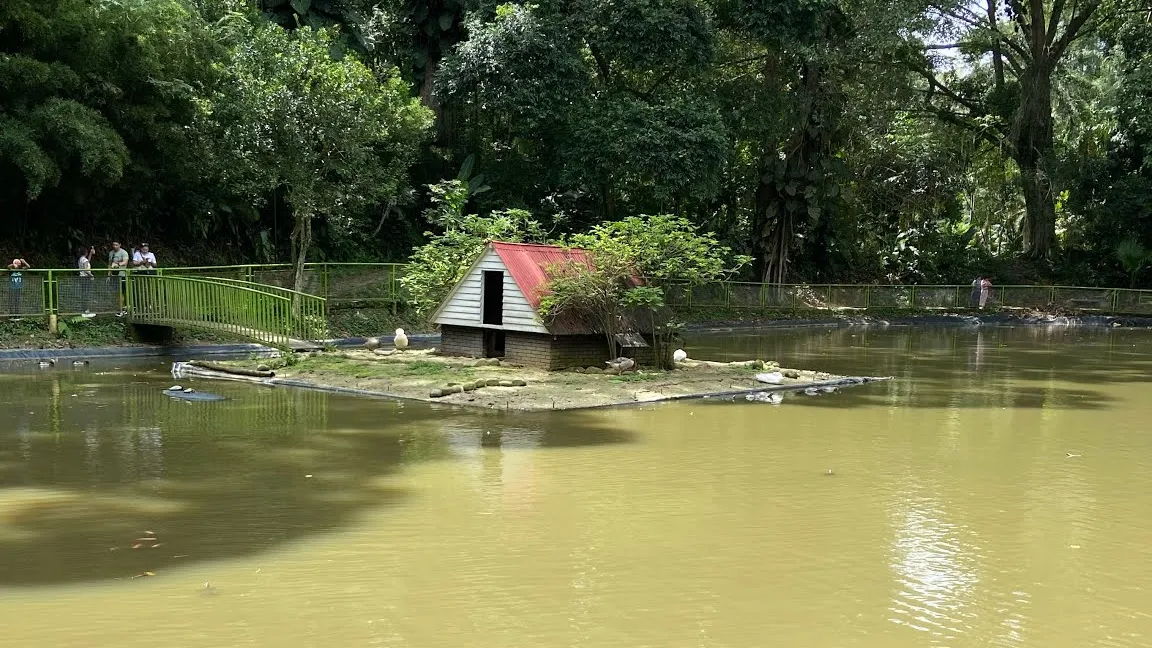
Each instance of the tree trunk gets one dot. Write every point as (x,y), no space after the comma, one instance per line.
(301,241)
(1032,144)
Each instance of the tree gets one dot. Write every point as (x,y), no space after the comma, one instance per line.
(328,132)
(440,264)
(628,263)
(597,105)
(95,106)
(1010,104)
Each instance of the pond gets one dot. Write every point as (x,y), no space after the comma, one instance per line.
(997,492)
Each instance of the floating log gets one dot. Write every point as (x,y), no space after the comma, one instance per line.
(238,371)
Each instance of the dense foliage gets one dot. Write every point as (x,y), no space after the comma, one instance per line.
(619,286)
(828,140)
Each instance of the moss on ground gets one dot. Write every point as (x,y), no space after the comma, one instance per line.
(418,374)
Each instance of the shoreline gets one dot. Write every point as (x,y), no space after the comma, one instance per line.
(420,340)
(545,391)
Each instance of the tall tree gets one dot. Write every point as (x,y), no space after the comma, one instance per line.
(1012,104)
(599,102)
(328,132)
(788,102)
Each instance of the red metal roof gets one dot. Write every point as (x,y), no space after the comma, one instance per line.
(528,263)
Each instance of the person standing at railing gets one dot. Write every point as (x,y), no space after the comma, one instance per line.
(974,297)
(144,260)
(118,260)
(16,287)
(84,263)
(985,291)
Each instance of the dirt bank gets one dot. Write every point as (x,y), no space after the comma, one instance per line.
(419,375)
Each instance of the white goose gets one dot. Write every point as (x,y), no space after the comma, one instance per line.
(401,340)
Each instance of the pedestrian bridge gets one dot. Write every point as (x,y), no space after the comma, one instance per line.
(268,314)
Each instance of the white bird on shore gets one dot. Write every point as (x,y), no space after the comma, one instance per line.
(679,355)
(401,340)
(372,344)
(621,364)
(773,378)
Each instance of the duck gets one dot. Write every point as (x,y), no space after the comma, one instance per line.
(401,340)
(772,398)
(679,355)
(811,391)
(621,364)
(79,363)
(372,343)
(175,388)
(829,389)
(44,364)
(773,378)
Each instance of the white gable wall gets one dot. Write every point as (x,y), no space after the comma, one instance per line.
(463,307)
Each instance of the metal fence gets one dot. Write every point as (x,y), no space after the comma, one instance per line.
(37,292)
(377,286)
(834,297)
(274,315)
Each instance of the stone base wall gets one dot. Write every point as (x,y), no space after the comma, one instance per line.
(537,349)
(528,349)
(462,341)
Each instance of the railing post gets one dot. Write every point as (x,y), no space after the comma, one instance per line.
(867,296)
(50,304)
(912,297)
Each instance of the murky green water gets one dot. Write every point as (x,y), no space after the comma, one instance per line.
(954,515)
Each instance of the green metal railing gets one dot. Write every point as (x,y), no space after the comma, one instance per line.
(363,287)
(826,297)
(339,283)
(272,315)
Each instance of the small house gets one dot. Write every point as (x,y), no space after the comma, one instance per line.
(493,312)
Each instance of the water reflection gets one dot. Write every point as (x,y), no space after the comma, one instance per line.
(1006,366)
(935,569)
(954,517)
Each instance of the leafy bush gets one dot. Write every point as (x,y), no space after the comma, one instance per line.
(435,267)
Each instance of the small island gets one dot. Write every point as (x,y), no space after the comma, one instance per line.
(489,383)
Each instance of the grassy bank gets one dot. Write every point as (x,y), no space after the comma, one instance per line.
(33,333)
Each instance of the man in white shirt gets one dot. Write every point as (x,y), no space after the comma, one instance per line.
(144,260)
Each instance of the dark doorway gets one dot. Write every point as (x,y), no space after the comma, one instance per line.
(493,298)
(493,343)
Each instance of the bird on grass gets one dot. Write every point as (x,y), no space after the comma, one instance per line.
(372,343)
(679,355)
(401,340)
